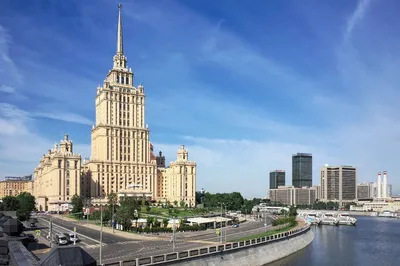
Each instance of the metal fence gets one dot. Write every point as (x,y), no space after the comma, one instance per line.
(207,251)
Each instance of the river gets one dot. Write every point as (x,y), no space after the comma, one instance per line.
(373,241)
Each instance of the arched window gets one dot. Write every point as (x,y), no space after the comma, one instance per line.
(117,78)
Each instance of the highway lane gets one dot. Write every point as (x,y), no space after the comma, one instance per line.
(182,243)
(90,233)
(84,241)
(118,248)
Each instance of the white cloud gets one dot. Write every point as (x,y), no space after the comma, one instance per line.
(67,117)
(21,147)
(357,16)
(7,89)
(7,65)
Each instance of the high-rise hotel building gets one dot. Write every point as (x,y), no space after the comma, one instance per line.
(122,157)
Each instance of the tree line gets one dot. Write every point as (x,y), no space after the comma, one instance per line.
(23,204)
(233,201)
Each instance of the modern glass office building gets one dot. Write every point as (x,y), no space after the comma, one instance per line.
(302,170)
(276,179)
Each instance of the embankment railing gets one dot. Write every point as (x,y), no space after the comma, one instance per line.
(206,251)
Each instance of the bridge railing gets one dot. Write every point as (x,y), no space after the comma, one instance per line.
(206,251)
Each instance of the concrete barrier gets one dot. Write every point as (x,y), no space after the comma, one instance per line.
(254,252)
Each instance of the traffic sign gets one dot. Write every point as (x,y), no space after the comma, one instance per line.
(37,232)
(217,231)
(74,229)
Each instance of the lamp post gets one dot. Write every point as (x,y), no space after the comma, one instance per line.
(173,235)
(113,219)
(225,224)
(101,228)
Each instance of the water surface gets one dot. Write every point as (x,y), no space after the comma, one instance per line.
(374,241)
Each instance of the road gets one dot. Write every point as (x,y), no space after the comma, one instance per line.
(116,248)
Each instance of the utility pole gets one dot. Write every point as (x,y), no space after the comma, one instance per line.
(173,235)
(221,225)
(265,221)
(225,225)
(101,229)
(113,217)
(51,230)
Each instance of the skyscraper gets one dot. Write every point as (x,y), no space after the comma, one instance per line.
(302,170)
(123,159)
(276,179)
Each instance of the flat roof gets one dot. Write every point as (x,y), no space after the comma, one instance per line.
(202,220)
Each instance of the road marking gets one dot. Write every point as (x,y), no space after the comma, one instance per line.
(71,230)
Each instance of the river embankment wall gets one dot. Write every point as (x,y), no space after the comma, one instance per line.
(252,255)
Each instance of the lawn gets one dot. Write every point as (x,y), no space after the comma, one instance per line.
(268,233)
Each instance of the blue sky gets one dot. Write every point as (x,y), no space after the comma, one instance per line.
(242,85)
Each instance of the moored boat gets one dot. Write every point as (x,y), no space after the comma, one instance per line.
(329,219)
(346,219)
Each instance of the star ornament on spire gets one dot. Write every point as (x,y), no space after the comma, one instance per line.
(119,6)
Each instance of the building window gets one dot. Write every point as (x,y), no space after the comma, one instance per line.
(59,163)
(117,78)
(76,164)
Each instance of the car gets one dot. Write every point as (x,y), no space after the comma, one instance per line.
(33,225)
(235,225)
(61,239)
(71,237)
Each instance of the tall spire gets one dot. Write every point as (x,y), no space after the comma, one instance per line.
(120,44)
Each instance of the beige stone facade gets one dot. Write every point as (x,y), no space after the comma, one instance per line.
(57,177)
(178,181)
(15,187)
(122,159)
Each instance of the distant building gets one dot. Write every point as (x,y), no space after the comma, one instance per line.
(18,178)
(160,160)
(318,191)
(13,185)
(290,195)
(366,190)
(339,184)
(276,179)
(58,177)
(302,170)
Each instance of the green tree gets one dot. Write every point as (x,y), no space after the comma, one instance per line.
(126,212)
(165,222)
(182,203)
(159,203)
(10,203)
(77,204)
(149,221)
(176,203)
(26,206)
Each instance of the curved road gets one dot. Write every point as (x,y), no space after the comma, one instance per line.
(116,248)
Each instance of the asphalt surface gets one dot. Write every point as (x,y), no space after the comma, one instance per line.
(116,248)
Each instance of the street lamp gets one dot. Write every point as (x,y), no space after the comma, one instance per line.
(101,228)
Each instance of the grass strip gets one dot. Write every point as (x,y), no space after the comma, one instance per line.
(268,233)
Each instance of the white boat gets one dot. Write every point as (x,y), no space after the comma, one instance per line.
(346,219)
(313,218)
(388,214)
(328,218)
